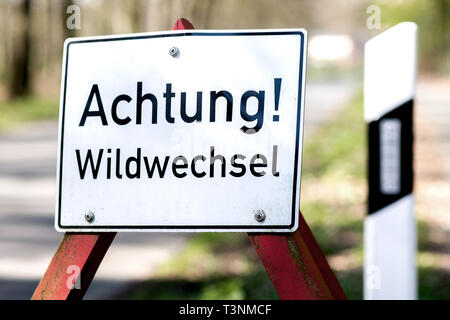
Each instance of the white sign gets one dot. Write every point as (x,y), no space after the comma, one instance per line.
(182,131)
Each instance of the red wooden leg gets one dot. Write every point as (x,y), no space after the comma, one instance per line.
(73,266)
(182,24)
(296,265)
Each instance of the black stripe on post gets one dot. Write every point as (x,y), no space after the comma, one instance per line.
(401,177)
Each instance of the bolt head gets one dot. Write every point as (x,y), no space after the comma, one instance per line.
(89,216)
(260,216)
(174,51)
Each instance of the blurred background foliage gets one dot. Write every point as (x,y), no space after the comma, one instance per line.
(32,33)
(432,18)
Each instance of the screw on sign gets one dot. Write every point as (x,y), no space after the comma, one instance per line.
(260,215)
(89,216)
(294,261)
(174,52)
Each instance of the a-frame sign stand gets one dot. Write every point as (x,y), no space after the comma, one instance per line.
(295,264)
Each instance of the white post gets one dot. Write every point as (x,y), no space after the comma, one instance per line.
(389,229)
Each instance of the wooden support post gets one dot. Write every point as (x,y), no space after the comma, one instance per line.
(296,265)
(182,24)
(73,266)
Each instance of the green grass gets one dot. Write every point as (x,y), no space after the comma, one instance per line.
(26,109)
(225,266)
(212,266)
(333,191)
(337,149)
(255,286)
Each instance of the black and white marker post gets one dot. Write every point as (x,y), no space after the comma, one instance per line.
(389,228)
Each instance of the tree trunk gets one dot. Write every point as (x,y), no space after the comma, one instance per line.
(67,33)
(20,84)
(138,15)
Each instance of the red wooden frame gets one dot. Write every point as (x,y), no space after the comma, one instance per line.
(295,264)
(85,252)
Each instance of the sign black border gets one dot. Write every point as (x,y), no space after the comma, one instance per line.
(187,227)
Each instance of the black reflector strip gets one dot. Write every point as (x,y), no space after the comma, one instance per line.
(390,159)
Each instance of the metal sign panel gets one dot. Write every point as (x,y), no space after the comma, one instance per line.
(182,131)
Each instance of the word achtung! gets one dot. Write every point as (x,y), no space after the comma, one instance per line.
(133,107)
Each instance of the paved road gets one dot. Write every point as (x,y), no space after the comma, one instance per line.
(27,195)
(432,160)
(323,101)
(433,112)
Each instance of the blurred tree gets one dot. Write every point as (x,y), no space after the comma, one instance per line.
(4,47)
(201,13)
(68,33)
(138,9)
(444,30)
(20,82)
(433,29)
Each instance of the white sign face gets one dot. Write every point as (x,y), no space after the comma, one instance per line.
(182,131)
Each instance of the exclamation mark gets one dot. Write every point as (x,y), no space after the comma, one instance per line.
(277,87)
